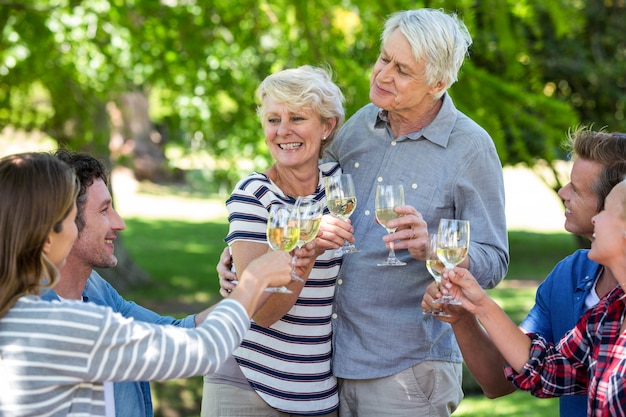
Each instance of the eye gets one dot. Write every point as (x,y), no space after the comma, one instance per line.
(273,120)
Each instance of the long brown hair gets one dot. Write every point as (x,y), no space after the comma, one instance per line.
(37,192)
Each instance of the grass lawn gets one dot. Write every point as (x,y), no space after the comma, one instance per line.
(181,258)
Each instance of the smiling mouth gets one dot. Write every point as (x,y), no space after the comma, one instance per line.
(108,241)
(289,146)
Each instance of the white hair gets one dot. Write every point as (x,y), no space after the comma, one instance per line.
(440,39)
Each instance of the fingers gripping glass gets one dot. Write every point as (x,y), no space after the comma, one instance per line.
(283,232)
(435,268)
(341,202)
(310,214)
(453,239)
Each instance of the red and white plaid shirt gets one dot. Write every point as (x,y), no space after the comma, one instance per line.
(590,359)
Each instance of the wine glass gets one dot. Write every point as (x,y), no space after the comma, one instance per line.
(341,202)
(435,268)
(283,231)
(453,238)
(387,198)
(310,214)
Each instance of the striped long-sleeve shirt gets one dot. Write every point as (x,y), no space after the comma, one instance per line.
(54,356)
(289,363)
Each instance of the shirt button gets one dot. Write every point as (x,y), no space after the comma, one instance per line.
(334,315)
(339,281)
(367,212)
(379,179)
(414,186)
(356,164)
(394,143)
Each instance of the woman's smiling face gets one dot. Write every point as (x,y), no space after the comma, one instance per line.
(609,237)
(293,137)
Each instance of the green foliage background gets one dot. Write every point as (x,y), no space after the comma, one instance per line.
(536,68)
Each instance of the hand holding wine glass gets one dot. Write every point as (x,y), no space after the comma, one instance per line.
(435,267)
(283,232)
(388,197)
(341,202)
(452,246)
(310,214)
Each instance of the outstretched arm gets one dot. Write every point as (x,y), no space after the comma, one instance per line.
(481,356)
(513,345)
(268,270)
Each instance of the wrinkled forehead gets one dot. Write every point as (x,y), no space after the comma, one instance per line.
(584,172)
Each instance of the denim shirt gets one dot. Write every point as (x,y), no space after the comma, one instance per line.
(559,303)
(449,169)
(132,399)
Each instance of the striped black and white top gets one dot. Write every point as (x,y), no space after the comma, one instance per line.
(55,355)
(289,363)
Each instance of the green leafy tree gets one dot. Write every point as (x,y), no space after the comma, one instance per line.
(127,79)
(199,63)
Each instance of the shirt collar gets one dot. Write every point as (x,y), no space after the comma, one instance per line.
(438,131)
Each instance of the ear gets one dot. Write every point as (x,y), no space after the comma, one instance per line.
(437,88)
(47,245)
(329,126)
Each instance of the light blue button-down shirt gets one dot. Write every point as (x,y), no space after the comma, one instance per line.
(449,169)
(132,399)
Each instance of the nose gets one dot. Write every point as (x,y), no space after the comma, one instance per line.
(117,223)
(384,71)
(283,128)
(563,191)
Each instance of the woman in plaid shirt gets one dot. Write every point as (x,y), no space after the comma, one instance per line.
(591,358)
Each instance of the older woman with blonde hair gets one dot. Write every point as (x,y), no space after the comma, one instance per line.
(283,365)
(56,356)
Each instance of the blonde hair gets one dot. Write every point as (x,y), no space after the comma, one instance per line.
(304,87)
(37,192)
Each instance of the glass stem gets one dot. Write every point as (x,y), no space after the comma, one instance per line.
(294,275)
(392,252)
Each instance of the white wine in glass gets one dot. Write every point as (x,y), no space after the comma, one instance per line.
(310,218)
(453,239)
(310,214)
(283,232)
(341,202)
(388,197)
(435,268)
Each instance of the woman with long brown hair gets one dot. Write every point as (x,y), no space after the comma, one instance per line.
(56,356)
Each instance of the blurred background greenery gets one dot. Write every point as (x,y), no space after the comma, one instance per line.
(166,89)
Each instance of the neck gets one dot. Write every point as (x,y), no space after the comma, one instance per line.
(606,282)
(292,182)
(74,277)
(405,123)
